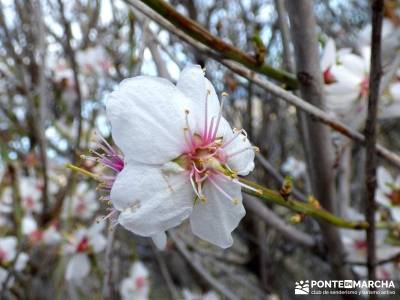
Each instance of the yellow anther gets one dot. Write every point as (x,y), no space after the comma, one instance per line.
(295,219)
(236,201)
(203,199)
(313,201)
(256,149)
(224,94)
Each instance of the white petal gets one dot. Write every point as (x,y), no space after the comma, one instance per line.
(138,269)
(342,89)
(364,36)
(151,200)
(394,90)
(96,238)
(8,247)
(341,102)
(354,64)
(215,220)
(345,76)
(21,262)
(78,267)
(160,240)
(329,55)
(243,162)
(384,179)
(147,116)
(29,224)
(211,296)
(381,198)
(196,86)
(98,243)
(51,236)
(395,212)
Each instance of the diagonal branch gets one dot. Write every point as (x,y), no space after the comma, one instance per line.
(226,50)
(272,220)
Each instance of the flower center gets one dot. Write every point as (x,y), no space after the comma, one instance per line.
(83,245)
(29,202)
(394,196)
(364,86)
(36,235)
(3,255)
(81,207)
(328,76)
(140,282)
(360,244)
(206,156)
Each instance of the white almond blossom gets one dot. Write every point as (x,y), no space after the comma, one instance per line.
(6,201)
(137,285)
(82,243)
(346,76)
(49,236)
(388,192)
(82,204)
(28,224)
(31,192)
(94,60)
(355,242)
(295,168)
(181,157)
(188,295)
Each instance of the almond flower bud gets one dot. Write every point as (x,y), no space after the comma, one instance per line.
(181,157)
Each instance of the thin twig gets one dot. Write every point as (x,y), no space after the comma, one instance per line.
(165,273)
(108,275)
(201,34)
(194,261)
(371,135)
(272,220)
(278,177)
(42,93)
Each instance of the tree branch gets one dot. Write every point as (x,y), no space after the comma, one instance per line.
(303,30)
(371,134)
(271,219)
(226,50)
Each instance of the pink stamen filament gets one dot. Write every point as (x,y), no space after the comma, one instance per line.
(212,181)
(188,143)
(234,137)
(218,119)
(240,151)
(241,184)
(206,117)
(208,137)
